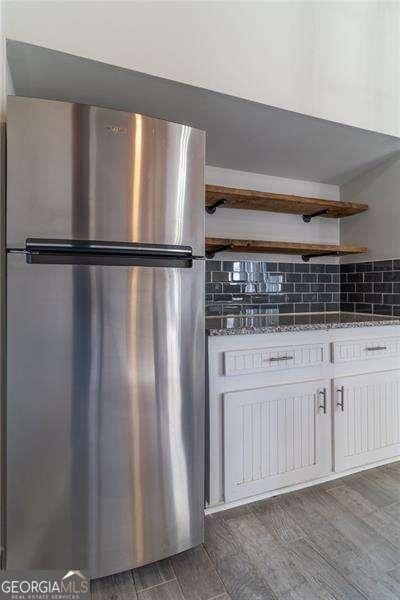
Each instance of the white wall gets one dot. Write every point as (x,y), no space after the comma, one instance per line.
(250,224)
(334,60)
(379,227)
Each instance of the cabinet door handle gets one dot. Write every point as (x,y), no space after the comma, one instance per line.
(372,348)
(341,403)
(277,358)
(323,405)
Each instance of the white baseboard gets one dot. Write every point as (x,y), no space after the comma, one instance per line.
(209,510)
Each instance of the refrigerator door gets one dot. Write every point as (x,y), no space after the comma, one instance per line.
(105,412)
(83,172)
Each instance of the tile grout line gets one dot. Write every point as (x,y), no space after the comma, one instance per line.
(177,580)
(134,584)
(216,571)
(158,585)
(335,568)
(151,587)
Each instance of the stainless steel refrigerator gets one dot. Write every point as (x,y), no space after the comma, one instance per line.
(105,337)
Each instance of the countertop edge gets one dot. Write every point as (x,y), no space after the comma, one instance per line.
(212,332)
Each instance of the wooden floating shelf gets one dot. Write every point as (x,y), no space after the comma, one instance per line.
(217,195)
(307,251)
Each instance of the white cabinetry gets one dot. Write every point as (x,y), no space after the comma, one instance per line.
(276,436)
(367,419)
(266,430)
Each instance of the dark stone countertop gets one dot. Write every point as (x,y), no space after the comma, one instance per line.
(275,323)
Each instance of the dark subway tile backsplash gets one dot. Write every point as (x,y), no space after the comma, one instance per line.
(332,268)
(301,308)
(294,277)
(324,278)
(383,309)
(301,268)
(391,276)
(213,265)
(332,287)
(363,308)
(349,268)
(286,308)
(302,287)
(332,306)
(356,298)
(347,307)
(373,298)
(383,265)
(383,288)
(372,287)
(218,276)
(286,267)
(310,297)
(355,277)
(363,288)
(309,278)
(317,268)
(375,276)
(391,298)
(367,266)
(258,287)
(317,307)
(254,287)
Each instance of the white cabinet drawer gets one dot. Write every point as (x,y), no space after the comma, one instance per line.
(350,350)
(242,362)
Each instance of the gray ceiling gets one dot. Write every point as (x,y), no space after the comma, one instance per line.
(241,135)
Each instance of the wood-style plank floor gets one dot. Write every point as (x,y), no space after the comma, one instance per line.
(339,540)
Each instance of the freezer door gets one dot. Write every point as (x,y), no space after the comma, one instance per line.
(83,172)
(105,414)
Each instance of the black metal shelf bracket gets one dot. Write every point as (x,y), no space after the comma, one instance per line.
(306,257)
(213,252)
(211,209)
(307,218)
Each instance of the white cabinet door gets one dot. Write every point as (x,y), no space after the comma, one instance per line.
(276,436)
(367,419)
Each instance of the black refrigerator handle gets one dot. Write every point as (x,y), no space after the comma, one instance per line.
(84,252)
(100,247)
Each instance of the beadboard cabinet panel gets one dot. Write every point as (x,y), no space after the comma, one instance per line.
(351,350)
(276,436)
(274,358)
(266,434)
(366,419)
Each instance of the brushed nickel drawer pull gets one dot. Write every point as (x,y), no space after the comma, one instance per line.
(323,405)
(277,358)
(371,348)
(341,403)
